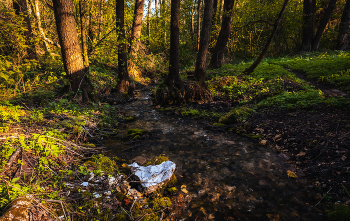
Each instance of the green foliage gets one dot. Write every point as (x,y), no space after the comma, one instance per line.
(236,115)
(341,212)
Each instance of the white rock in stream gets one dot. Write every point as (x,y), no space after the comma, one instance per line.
(154,176)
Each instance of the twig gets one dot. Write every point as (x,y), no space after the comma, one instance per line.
(323,197)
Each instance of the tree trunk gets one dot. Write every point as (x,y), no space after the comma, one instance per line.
(323,24)
(83,7)
(148,20)
(269,40)
(199,9)
(22,7)
(136,26)
(36,12)
(204,43)
(192,23)
(308,24)
(70,49)
(173,80)
(343,35)
(123,81)
(218,53)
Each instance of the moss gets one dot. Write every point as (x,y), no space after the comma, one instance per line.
(157,160)
(161,203)
(89,145)
(172,189)
(219,124)
(255,136)
(172,181)
(130,118)
(236,115)
(340,212)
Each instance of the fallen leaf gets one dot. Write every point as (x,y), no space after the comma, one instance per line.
(291,174)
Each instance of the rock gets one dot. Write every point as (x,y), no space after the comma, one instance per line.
(154,176)
(18,210)
(263,142)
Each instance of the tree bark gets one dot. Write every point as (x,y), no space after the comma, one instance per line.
(199,9)
(323,24)
(218,53)
(343,34)
(21,6)
(136,26)
(269,40)
(308,24)
(173,79)
(201,60)
(70,48)
(123,81)
(83,7)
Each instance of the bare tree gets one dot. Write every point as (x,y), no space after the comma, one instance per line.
(83,9)
(308,24)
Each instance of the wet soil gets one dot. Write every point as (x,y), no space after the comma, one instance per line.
(228,176)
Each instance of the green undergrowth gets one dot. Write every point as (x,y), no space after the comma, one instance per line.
(330,67)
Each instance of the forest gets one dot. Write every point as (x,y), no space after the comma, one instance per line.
(246,101)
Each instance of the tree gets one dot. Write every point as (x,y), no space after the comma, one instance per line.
(267,45)
(83,7)
(123,81)
(308,24)
(323,23)
(136,25)
(218,53)
(343,33)
(201,60)
(70,49)
(21,6)
(199,9)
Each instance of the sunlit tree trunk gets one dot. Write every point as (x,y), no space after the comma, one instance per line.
(308,24)
(343,34)
(21,6)
(36,12)
(201,60)
(323,24)
(269,40)
(123,81)
(218,53)
(70,49)
(136,26)
(83,7)
(192,22)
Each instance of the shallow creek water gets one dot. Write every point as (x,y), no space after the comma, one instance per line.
(228,177)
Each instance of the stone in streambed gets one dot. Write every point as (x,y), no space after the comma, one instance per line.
(18,210)
(154,176)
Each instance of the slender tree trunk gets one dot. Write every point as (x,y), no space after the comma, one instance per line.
(136,26)
(199,9)
(218,53)
(201,61)
(308,24)
(343,35)
(221,9)
(269,40)
(83,6)
(22,7)
(323,24)
(90,30)
(71,51)
(192,22)
(156,7)
(36,12)
(123,81)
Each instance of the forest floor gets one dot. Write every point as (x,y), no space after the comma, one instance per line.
(296,108)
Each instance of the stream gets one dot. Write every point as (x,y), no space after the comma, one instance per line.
(228,177)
